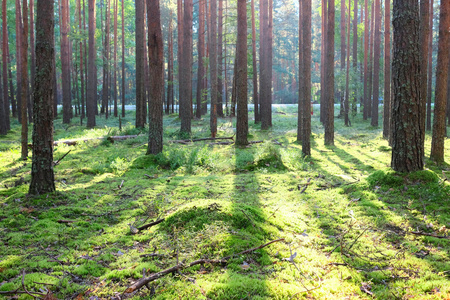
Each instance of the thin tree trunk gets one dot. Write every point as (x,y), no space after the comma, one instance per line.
(140,67)
(116,112)
(170,68)
(219,61)
(301,73)
(105,90)
(329,121)
(347,73)
(91,102)
(11,86)
(376,63)
(180,47)
(306,122)
(255,70)
(33,62)
(186,83)
(18,60)
(24,74)
(5,70)
(371,60)
(80,29)
(65,61)
(213,67)
(424,48)
(387,70)
(123,60)
(366,59)
(323,65)
(201,51)
(341,94)
(430,68)
(440,106)
(355,53)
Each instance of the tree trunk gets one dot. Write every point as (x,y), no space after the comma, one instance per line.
(5,115)
(33,62)
(201,51)
(255,70)
(106,45)
(264,57)
(80,29)
(116,112)
(11,90)
(91,102)
(241,75)
(430,68)
(18,61)
(24,81)
(156,71)
(347,73)
(213,67)
(219,61)
(440,105)
(341,94)
(407,142)
(387,70)
(140,67)
(42,176)
(306,86)
(123,60)
(355,53)
(65,61)
(371,61)
(329,121)
(301,73)
(186,83)
(170,68)
(323,65)
(376,64)
(366,59)
(180,49)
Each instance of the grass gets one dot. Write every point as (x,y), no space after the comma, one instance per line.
(348,221)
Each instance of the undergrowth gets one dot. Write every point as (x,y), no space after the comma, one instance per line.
(352,228)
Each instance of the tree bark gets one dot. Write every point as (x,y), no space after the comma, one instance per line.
(123,60)
(430,68)
(24,81)
(156,71)
(4,115)
(105,88)
(306,116)
(355,52)
(241,75)
(140,67)
(424,48)
(255,70)
(80,29)
(329,120)
(213,67)
(18,60)
(65,62)
(347,73)
(170,69)
(376,64)
(407,142)
(180,49)
(366,59)
(116,112)
(32,61)
(186,82)
(201,54)
(371,61)
(387,70)
(323,65)
(91,102)
(440,105)
(42,176)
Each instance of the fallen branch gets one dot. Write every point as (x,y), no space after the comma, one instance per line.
(150,224)
(251,221)
(259,142)
(59,160)
(146,280)
(305,187)
(112,139)
(25,291)
(66,221)
(430,234)
(202,139)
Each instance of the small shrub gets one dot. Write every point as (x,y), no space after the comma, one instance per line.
(120,166)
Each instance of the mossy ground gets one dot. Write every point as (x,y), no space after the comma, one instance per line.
(344,214)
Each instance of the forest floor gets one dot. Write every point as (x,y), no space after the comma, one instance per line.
(351,228)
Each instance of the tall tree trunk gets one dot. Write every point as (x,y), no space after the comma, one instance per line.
(329,121)
(123,60)
(155,52)
(387,70)
(32,61)
(220,61)
(85,54)
(91,102)
(301,73)
(106,45)
(355,52)
(116,112)
(424,44)
(264,76)
(140,67)
(341,94)
(18,60)
(80,29)
(11,87)
(407,143)
(306,86)
(42,176)
(376,64)
(269,60)
(323,65)
(201,51)
(371,60)
(186,83)
(65,62)
(255,70)
(24,74)
(5,69)
(170,68)
(213,67)
(241,75)
(180,47)
(347,73)
(430,68)
(366,61)
(440,105)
